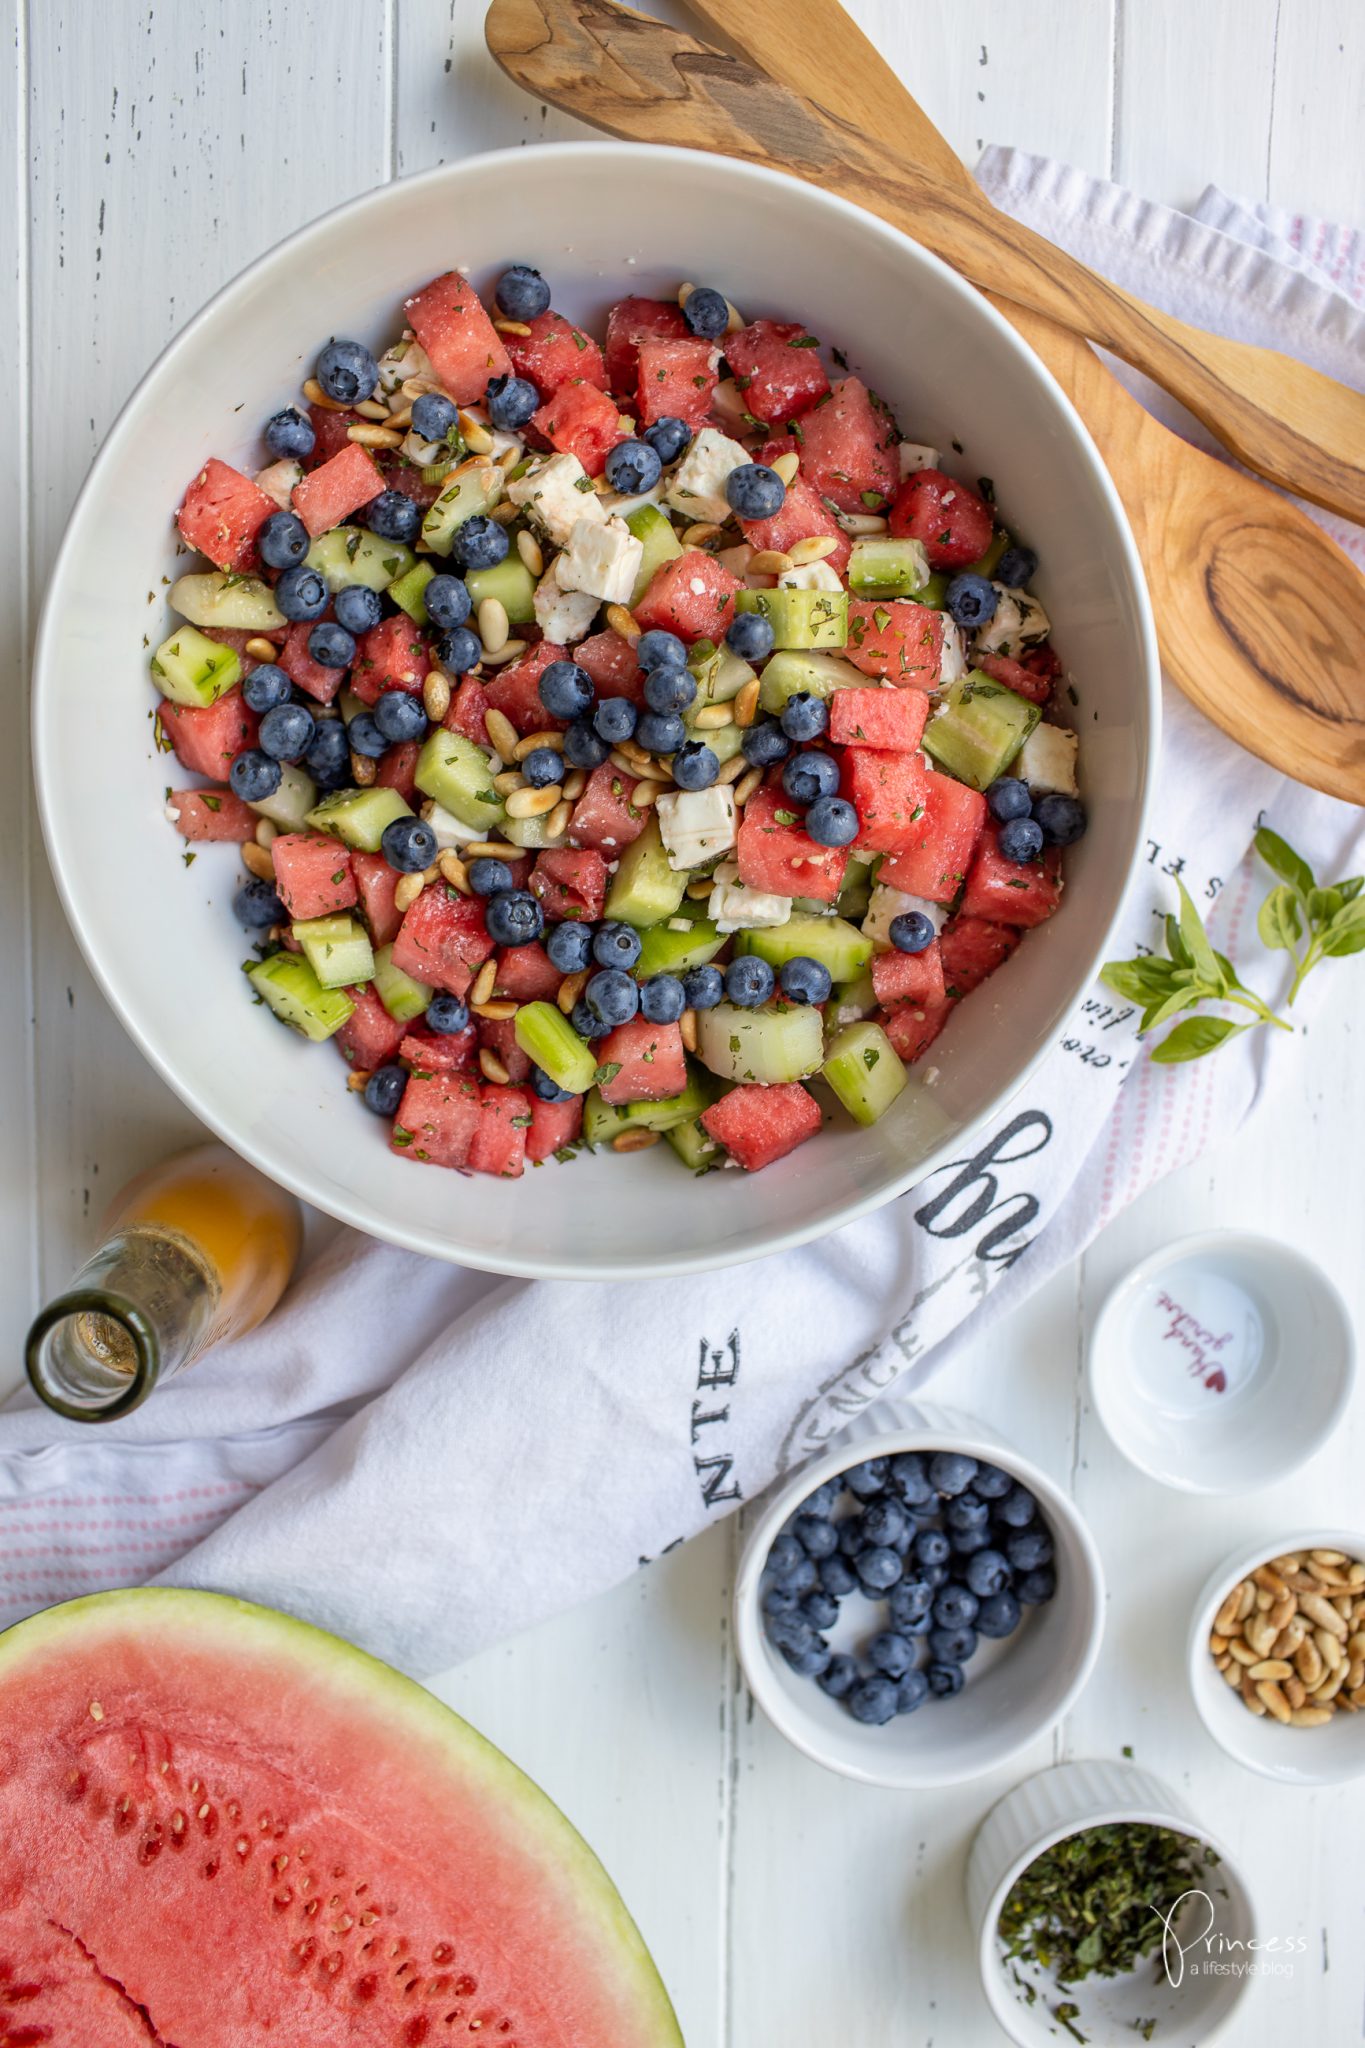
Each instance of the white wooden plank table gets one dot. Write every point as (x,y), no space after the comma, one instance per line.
(152,152)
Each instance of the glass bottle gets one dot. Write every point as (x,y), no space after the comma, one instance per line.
(196,1250)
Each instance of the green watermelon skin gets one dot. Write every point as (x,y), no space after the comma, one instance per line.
(186,1776)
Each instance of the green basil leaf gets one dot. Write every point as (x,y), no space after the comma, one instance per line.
(1337,944)
(1277,920)
(1323,904)
(1161,1013)
(1137,981)
(1231,978)
(1175,945)
(1348,916)
(1196,939)
(1350,890)
(1194,1038)
(1282,860)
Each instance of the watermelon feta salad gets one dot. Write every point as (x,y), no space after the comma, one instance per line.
(622,734)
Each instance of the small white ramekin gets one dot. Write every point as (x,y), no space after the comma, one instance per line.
(1018,1692)
(1330,1755)
(1192,1998)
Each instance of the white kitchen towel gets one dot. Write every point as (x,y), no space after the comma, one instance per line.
(424,1458)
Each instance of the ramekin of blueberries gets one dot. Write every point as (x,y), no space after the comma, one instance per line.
(948,1577)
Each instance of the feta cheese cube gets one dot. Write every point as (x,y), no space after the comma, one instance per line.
(696,824)
(555,495)
(278,479)
(405,359)
(697,486)
(621,504)
(602,559)
(733,907)
(448,828)
(886,903)
(915,455)
(1019,622)
(952,661)
(810,576)
(563,615)
(1047,761)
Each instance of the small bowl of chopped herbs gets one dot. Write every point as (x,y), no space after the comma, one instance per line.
(1107,1914)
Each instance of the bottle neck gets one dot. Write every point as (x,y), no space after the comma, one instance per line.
(139,1310)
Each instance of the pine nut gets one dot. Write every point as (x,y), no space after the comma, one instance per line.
(510,779)
(492,1067)
(1264,1601)
(700,888)
(1249,1694)
(505,513)
(1232,1673)
(511,327)
(557,824)
(454,871)
(770,562)
(687,1030)
(1327,1688)
(1294,1690)
(1323,1613)
(746,703)
(531,552)
(477,438)
(1226,1616)
(1271,1667)
(1308,1663)
(502,734)
(1246,1599)
(372,409)
(357,1080)
(571,988)
(261,649)
(408,890)
(267,832)
(575,784)
(731,770)
(633,751)
(1326,1574)
(646,770)
(494,626)
(1242,1651)
(787,465)
(257,862)
(498,1010)
(374,437)
(513,651)
(697,536)
(747,784)
(711,717)
(489,849)
(623,622)
(634,1141)
(534,803)
(1309,1717)
(402,417)
(645,793)
(1272,1698)
(315,395)
(534,741)
(1329,1649)
(862,523)
(1281,1611)
(436,696)
(363,769)
(484,982)
(818,548)
(1328,1556)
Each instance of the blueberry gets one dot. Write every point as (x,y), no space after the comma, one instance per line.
(695,765)
(328,760)
(446,1014)
(805,980)
(991,1483)
(1008,798)
(584,747)
(955,1607)
(522,293)
(489,877)
(750,636)
(810,775)
(910,1603)
(586,1022)
(633,466)
(433,415)
(283,540)
(707,313)
(911,932)
(662,1000)
(513,917)
(885,1521)
(749,981)
(912,1692)
(1021,840)
(1036,1587)
(393,515)
(852,1537)
(510,401)
(934,1575)
(819,1608)
(330,645)
(1016,568)
(837,1575)
(952,1645)
(966,1511)
(347,371)
(357,608)
(803,1578)
(257,905)
(764,744)
(1018,1508)
(400,716)
(804,717)
(908,1478)
(266,687)
(616,944)
(408,844)
(612,996)
(966,1542)
(565,689)
(944,1680)
(614,719)
(384,1090)
(290,434)
(254,776)
(703,987)
(951,1471)
(776,1600)
(458,650)
(824,1500)
(931,1546)
(658,649)
(1029,1549)
(364,736)
(832,821)
(784,1555)
(873,1701)
(891,1653)
(448,602)
(287,732)
(971,600)
(804,1650)
(998,1615)
(660,732)
(839,1676)
(817,1536)
(542,766)
(868,1479)
(480,543)
(1061,818)
(301,593)
(668,437)
(753,491)
(546,1090)
(569,945)
(878,1568)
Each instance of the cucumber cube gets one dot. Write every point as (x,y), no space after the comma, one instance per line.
(359,817)
(350,554)
(511,583)
(800,618)
(288,985)
(475,487)
(782,1042)
(673,1110)
(191,669)
(546,1036)
(720,675)
(856,893)
(401,996)
(337,949)
(406,591)
(979,729)
(724,741)
(661,544)
(934,592)
(832,941)
(694,1145)
(788,672)
(457,774)
(987,564)
(603,1121)
(864,1070)
(645,889)
(887,568)
(853,1000)
(241,603)
(531,834)
(664,951)
(289,805)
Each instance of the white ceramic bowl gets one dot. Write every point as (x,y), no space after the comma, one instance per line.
(1187,2003)
(1330,1755)
(1222,1362)
(601,219)
(1015,1689)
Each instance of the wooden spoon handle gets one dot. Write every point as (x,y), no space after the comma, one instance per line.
(635,77)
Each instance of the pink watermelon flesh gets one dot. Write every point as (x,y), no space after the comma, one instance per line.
(212,814)
(189,1779)
(758,1124)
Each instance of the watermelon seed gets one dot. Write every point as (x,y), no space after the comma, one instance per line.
(312,1907)
(242,1846)
(149,1848)
(96,1711)
(279,1863)
(211,1867)
(333,1962)
(234,1811)
(368,1920)
(442,1953)
(465,1986)
(283,1899)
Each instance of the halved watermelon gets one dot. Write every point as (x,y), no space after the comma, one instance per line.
(778,369)
(630,322)
(848,448)
(954,524)
(437,1118)
(312,874)
(893,719)
(221,1826)
(887,792)
(376,882)
(207,738)
(322,684)
(499,1142)
(391,656)
(913,1028)
(212,814)
(527,974)
(777,855)
(933,859)
(896,638)
(553,1125)
(452,326)
(466,712)
(909,977)
(329,495)
(222,513)
(579,419)
(442,940)
(758,1124)
(515,691)
(972,948)
(1012,892)
(693,596)
(554,352)
(370,1035)
(439,1052)
(675,380)
(604,815)
(649,1060)
(570,883)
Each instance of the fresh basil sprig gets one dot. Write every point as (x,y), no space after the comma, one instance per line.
(1309,923)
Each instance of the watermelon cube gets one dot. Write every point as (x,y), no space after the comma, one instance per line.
(322,684)
(397,769)
(650,1061)
(499,1035)
(331,433)
(221,514)
(758,1124)
(313,874)
(849,448)
(515,690)
(954,524)
(442,940)
(932,861)
(896,638)
(466,713)
(233,637)
(553,1126)
(579,419)
(913,1028)
(212,814)
(630,322)
(369,1036)
(604,815)
(437,1119)
(498,1145)
(527,974)
(693,596)
(972,948)
(804,516)
(376,882)
(778,856)
(909,977)
(676,380)
(610,661)
(391,656)
(208,738)
(440,1052)
(1012,892)
(892,719)
(777,367)
(1026,682)
(570,883)
(554,353)
(887,791)
(464,346)
(327,496)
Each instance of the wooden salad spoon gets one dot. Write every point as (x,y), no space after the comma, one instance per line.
(631,75)
(1260,616)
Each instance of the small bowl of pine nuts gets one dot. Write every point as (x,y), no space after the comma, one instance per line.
(1277,1658)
